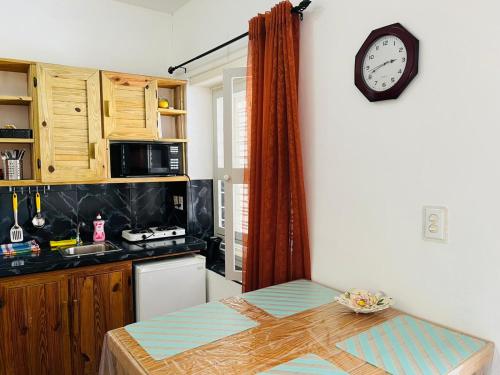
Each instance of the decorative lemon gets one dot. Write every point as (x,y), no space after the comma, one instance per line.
(163,103)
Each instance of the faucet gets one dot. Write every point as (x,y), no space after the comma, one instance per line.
(78,238)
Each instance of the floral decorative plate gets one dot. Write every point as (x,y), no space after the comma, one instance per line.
(365,302)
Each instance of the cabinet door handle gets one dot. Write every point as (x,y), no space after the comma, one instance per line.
(93,150)
(76,317)
(107,108)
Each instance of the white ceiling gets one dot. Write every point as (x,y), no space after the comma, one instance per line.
(167,6)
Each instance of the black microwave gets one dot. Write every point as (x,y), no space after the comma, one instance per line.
(143,159)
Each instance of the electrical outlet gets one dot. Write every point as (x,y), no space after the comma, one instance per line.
(435,223)
(179,202)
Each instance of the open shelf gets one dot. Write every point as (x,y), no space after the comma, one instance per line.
(171,112)
(17,140)
(170,83)
(173,140)
(15,100)
(15,66)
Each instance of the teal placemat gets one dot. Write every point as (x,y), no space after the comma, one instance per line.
(308,364)
(174,333)
(405,345)
(290,298)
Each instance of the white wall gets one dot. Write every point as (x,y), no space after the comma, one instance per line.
(197,27)
(371,167)
(200,133)
(102,34)
(219,288)
(203,24)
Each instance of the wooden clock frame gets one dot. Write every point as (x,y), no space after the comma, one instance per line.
(411,69)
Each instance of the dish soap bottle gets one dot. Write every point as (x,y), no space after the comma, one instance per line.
(99,234)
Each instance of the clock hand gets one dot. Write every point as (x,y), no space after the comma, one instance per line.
(381,65)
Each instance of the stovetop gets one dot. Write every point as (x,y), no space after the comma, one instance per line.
(153,233)
(142,230)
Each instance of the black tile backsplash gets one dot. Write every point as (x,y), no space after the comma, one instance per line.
(201,211)
(123,206)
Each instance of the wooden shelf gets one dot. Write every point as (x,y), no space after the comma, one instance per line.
(19,182)
(173,140)
(17,140)
(171,112)
(132,180)
(15,100)
(15,66)
(170,83)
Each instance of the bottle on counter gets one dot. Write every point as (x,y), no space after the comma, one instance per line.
(99,234)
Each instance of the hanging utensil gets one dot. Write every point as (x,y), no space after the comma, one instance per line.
(16,232)
(38,220)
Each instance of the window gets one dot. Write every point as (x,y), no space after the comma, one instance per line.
(231,149)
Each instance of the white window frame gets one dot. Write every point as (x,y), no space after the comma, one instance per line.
(217,93)
(227,174)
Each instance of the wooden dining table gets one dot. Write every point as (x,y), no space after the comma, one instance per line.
(272,342)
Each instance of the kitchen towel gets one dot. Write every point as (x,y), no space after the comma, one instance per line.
(308,364)
(290,298)
(12,249)
(406,345)
(174,333)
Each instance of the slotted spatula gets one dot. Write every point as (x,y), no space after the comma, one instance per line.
(16,232)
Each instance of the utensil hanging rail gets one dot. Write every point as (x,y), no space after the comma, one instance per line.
(299,9)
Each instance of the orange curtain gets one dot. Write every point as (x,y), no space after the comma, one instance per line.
(277,244)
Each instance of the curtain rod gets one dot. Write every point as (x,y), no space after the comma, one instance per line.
(299,9)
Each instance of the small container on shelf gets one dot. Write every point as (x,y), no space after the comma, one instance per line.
(14,169)
(16,133)
(12,163)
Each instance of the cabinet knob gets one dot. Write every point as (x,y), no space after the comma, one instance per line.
(44,123)
(78,109)
(51,169)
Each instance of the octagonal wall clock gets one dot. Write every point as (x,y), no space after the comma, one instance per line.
(386,63)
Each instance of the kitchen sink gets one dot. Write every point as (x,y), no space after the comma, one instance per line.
(89,249)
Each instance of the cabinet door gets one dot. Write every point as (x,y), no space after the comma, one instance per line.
(71,143)
(34,327)
(130,106)
(102,301)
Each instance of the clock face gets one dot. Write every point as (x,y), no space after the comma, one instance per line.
(384,63)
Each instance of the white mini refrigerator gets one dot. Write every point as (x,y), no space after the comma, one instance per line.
(169,285)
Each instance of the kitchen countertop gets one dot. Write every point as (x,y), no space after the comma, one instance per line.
(49,260)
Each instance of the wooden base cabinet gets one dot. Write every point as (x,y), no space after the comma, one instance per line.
(54,323)
(102,301)
(35,337)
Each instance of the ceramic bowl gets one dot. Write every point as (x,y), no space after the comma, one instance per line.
(364,302)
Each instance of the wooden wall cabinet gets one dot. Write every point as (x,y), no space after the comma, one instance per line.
(130,105)
(35,337)
(55,323)
(69,124)
(102,301)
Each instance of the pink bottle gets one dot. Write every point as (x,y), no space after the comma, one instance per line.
(99,234)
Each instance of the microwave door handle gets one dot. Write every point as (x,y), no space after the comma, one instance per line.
(149,157)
